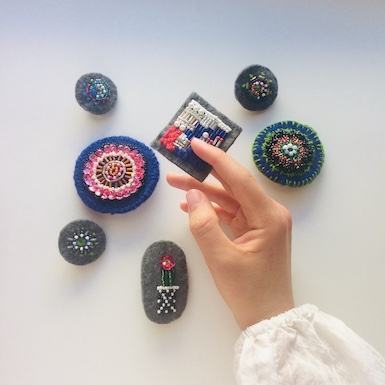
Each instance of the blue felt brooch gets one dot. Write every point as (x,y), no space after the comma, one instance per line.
(96,93)
(196,118)
(289,153)
(116,174)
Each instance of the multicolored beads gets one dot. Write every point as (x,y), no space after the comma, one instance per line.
(256,88)
(116,174)
(82,242)
(96,93)
(164,281)
(289,153)
(195,119)
(114,171)
(167,290)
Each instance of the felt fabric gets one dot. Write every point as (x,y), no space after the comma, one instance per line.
(256,88)
(289,153)
(164,280)
(82,242)
(96,93)
(116,174)
(195,118)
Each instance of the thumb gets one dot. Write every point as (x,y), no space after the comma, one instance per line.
(205,225)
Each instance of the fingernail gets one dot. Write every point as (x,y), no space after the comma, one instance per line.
(194,198)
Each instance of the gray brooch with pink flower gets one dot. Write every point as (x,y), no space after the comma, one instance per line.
(164,282)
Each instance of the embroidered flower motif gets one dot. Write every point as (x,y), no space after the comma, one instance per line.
(289,153)
(166,262)
(167,291)
(114,171)
(83,241)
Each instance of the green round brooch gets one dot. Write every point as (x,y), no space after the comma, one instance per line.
(289,153)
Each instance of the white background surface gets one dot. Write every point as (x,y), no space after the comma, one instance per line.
(61,324)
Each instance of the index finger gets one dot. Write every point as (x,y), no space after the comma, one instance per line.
(236,179)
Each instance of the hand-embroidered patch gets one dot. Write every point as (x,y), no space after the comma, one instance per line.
(116,174)
(289,153)
(164,282)
(256,88)
(195,119)
(82,242)
(96,93)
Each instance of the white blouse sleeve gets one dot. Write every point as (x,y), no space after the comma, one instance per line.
(305,346)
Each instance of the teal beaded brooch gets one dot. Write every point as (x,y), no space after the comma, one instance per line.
(288,153)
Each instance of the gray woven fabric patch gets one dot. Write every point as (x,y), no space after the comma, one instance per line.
(196,118)
(164,282)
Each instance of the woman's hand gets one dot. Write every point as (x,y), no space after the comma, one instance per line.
(252,271)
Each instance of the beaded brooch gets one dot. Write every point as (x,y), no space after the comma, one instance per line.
(288,153)
(166,298)
(164,282)
(82,242)
(195,119)
(96,93)
(256,88)
(116,174)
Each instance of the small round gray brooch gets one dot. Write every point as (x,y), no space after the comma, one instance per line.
(256,88)
(96,93)
(82,242)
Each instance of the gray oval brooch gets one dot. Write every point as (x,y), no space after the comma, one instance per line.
(164,282)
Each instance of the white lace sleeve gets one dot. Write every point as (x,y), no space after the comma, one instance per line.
(305,346)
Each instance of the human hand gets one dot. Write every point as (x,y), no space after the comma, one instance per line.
(252,271)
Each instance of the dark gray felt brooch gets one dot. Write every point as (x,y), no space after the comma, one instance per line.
(82,242)
(256,88)
(164,282)
(96,93)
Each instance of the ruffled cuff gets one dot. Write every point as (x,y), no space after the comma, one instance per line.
(305,346)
